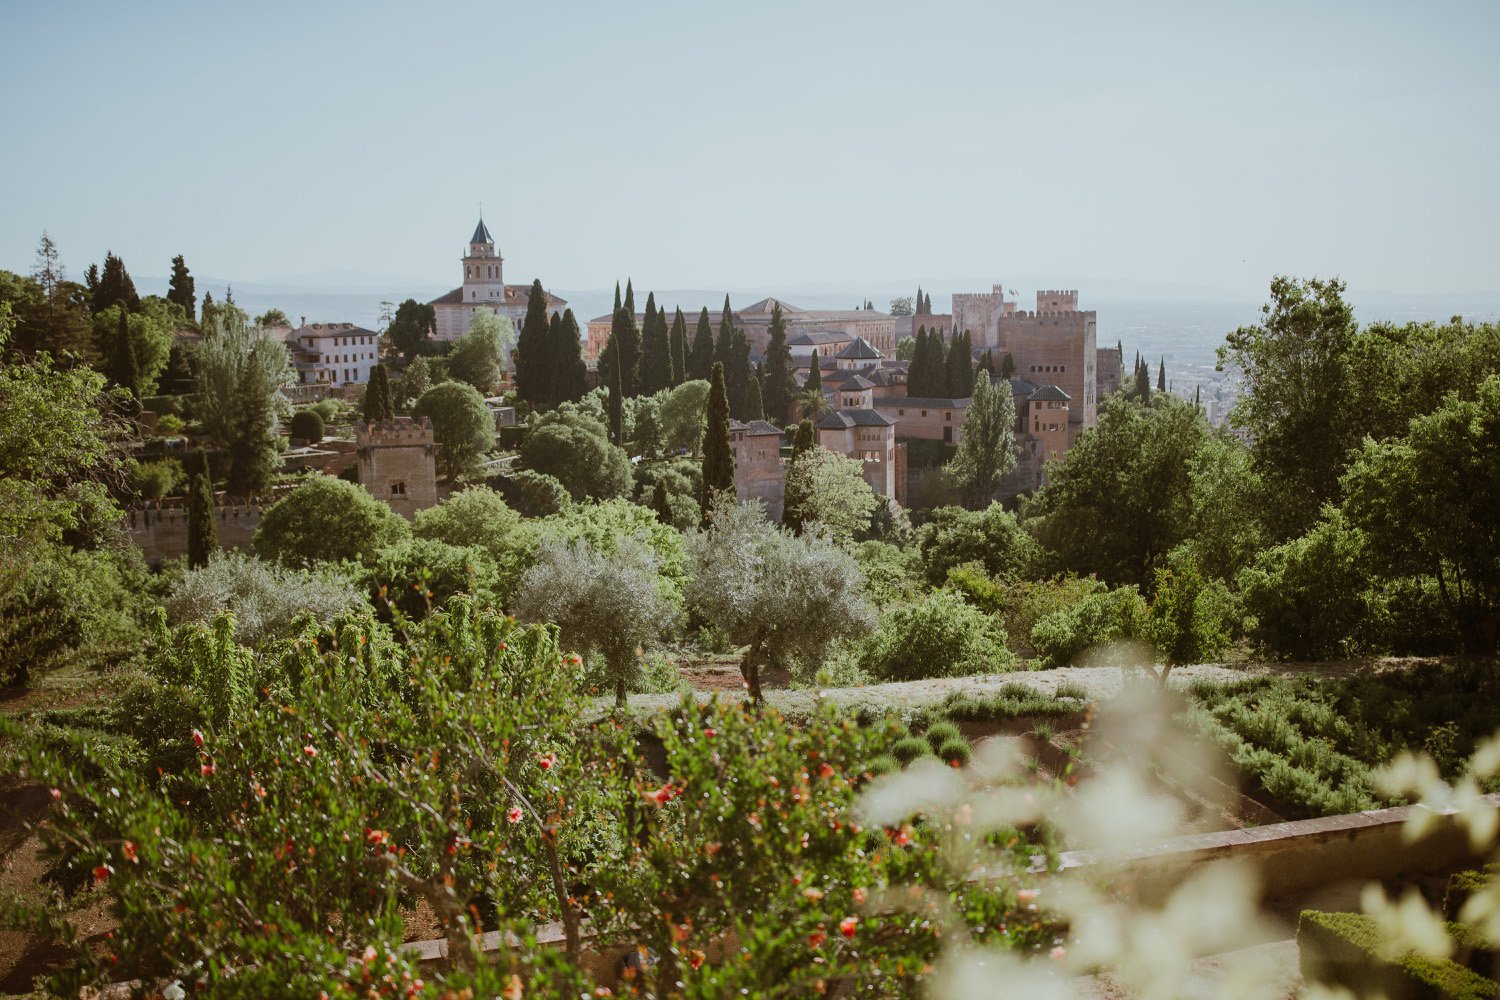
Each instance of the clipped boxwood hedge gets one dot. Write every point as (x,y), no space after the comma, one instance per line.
(1343,949)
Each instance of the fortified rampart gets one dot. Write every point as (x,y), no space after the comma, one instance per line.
(160,531)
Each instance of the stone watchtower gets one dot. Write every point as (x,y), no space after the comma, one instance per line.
(397,462)
(484,280)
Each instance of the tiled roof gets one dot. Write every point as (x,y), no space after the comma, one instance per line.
(326,330)
(930,402)
(815,338)
(514,295)
(859,350)
(843,419)
(857,382)
(481,234)
(1050,392)
(756,428)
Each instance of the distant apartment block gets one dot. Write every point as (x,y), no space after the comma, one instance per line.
(332,354)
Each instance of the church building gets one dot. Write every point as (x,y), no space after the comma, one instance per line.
(484,288)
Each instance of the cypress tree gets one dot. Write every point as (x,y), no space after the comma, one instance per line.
(1008,366)
(630,299)
(180,289)
(533,360)
(660,503)
(701,358)
(791,505)
(378,403)
(252,453)
(754,408)
(718,457)
(804,439)
(124,371)
(570,374)
(916,371)
(1161,375)
(779,385)
(1143,383)
(724,345)
(678,338)
(203,532)
(114,287)
(814,374)
(987,364)
(960,369)
(656,350)
(737,373)
(1197,398)
(616,403)
(624,338)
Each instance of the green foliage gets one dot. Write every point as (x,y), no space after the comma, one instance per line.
(1307,597)
(534,352)
(415,381)
(379,404)
(307,425)
(157,479)
(268,601)
(181,289)
(987,447)
(1427,503)
(779,386)
(411,331)
(1122,497)
(461,423)
(473,516)
(991,537)
(415,575)
(326,520)
(826,492)
(953,751)
(938,636)
(910,748)
(203,530)
(535,494)
(1299,403)
(478,358)
(891,574)
(1189,619)
(700,360)
(1103,626)
(1349,951)
(241,371)
(718,457)
(575,449)
(941,732)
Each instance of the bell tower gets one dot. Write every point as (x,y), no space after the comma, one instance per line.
(484,279)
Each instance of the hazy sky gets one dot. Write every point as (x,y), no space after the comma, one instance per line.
(710,144)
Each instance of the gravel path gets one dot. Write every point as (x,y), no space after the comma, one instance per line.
(1100,682)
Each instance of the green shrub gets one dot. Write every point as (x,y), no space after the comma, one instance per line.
(939,636)
(418,574)
(534,494)
(1104,617)
(1069,689)
(307,425)
(1308,596)
(1191,619)
(991,537)
(1023,603)
(909,748)
(941,732)
(884,764)
(1346,950)
(956,749)
(158,479)
(169,425)
(266,599)
(326,520)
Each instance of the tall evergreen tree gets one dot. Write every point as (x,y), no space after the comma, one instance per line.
(737,373)
(569,373)
(252,451)
(180,289)
(661,504)
(1198,398)
(656,350)
(616,402)
(779,387)
(804,439)
(959,377)
(754,408)
(123,370)
(792,503)
(624,338)
(114,287)
(916,372)
(987,364)
(724,343)
(203,531)
(1143,383)
(1008,366)
(1161,375)
(814,381)
(630,299)
(988,448)
(718,457)
(701,357)
(379,404)
(678,340)
(534,362)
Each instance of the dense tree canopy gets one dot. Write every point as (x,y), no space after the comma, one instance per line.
(576,449)
(326,520)
(987,445)
(412,329)
(462,424)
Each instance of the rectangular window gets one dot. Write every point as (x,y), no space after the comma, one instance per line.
(398,489)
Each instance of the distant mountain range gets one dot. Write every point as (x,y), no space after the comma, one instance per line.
(1183,323)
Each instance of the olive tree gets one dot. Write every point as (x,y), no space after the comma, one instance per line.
(785,597)
(609,605)
(827,491)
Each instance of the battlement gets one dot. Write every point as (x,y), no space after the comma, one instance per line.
(1057,300)
(1054,314)
(400,432)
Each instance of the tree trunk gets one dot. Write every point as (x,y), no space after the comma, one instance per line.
(620,691)
(750,670)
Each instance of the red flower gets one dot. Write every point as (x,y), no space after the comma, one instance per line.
(816,939)
(546,761)
(311,751)
(57,793)
(826,771)
(207,768)
(128,849)
(848,926)
(102,872)
(710,732)
(902,836)
(513,814)
(197,738)
(695,958)
(859,895)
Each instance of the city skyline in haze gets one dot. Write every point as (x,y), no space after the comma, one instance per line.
(776,145)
